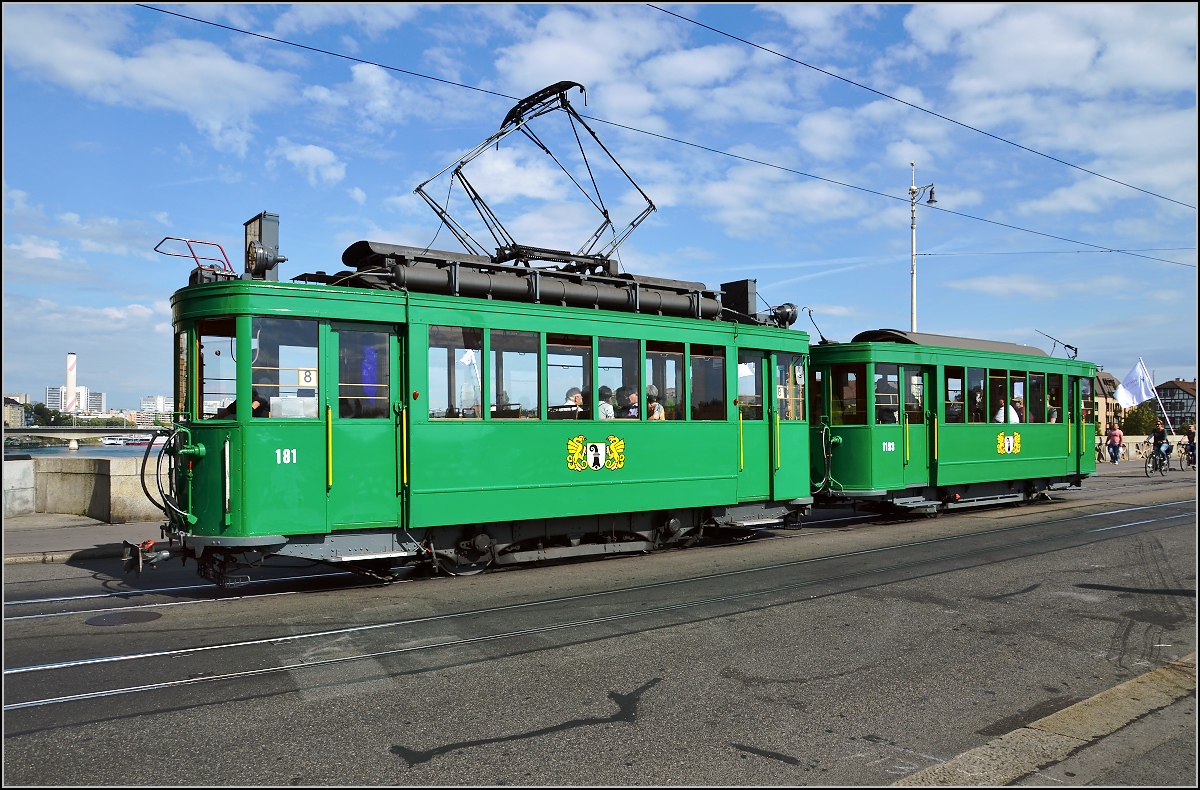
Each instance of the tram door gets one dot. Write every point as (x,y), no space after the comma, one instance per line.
(754,419)
(916,424)
(362,426)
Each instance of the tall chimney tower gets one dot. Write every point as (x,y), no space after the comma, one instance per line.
(71,401)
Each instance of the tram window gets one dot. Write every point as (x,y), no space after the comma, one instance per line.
(1054,398)
(955,405)
(818,395)
(363,375)
(750,385)
(218,368)
(569,377)
(455,375)
(976,405)
(848,396)
(1036,408)
(284,367)
(617,371)
(790,383)
(997,394)
(1085,390)
(514,379)
(887,394)
(707,382)
(182,401)
(664,372)
(914,396)
(1016,383)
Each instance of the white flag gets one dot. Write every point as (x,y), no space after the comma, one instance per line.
(468,357)
(1137,387)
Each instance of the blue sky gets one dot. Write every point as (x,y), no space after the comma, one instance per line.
(123,125)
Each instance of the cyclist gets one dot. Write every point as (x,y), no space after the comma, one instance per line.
(1191,443)
(1160,444)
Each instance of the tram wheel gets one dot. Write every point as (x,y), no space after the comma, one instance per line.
(452,568)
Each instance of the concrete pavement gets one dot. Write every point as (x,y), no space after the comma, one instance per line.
(54,537)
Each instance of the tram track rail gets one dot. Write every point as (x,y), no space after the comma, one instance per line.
(763,535)
(1128,517)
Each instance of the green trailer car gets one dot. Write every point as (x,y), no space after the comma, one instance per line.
(426,407)
(925,423)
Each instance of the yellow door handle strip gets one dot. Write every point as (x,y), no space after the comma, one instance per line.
(328,447)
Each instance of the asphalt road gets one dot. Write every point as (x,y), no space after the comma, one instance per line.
(854,652)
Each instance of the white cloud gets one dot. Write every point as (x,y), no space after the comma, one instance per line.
(32,247)
(313,161)
(77,47)
(357,195)
(371,19)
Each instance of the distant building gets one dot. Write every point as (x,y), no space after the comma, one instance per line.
(88,401)
(14,412)
(158,404)
(1179,402)
(19,397)
(1108,411)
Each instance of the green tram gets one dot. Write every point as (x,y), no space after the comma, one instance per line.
(924,423)
(435,407)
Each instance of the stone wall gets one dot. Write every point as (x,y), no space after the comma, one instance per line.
(106,489)
(19,488)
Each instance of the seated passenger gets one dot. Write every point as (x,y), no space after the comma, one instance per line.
(605,407)
(258,408)
(1005,413)
(627,403)
(654,409)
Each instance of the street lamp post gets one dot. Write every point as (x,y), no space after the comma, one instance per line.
(914,194)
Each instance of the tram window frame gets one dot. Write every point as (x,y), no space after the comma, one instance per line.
(626,397)
(303,398)
(510,368)
(452,348)
(359,399)
(1088,405)
(564,348)
(707,394)
(817,394)
(182,402)
(997,390)
(661,358)
(211,334)
(750,372)
(1054,398)
(1036,404)
(790,384)
(956,408)
(839,385)
(914,395)
(887,393)
(977,412)
(1018,390)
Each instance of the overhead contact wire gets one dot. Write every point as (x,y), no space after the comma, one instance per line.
(666,137)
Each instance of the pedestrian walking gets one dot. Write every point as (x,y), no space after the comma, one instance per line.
(1115,438)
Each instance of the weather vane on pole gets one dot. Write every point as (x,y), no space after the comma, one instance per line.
(914,194)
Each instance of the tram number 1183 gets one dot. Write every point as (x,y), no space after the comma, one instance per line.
(285,456)
(888,447)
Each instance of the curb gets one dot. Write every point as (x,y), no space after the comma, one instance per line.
(1054,738)
(45,557)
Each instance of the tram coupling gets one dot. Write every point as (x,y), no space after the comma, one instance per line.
(137,555)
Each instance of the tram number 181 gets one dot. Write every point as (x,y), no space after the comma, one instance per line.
(285,456)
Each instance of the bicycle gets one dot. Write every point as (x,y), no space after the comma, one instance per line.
(1187,457)
(1156,463)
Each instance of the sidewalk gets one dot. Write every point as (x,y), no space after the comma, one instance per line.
(54,537)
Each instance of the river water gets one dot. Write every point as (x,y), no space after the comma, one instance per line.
(85,451)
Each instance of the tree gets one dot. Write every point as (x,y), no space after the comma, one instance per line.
(1140,420)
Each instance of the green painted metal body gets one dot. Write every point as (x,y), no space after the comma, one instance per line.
(308,476)
(883,460)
